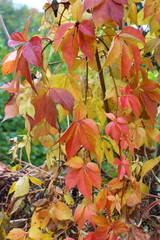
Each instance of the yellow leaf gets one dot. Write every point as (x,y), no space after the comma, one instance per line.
(80,111)
(21,187)
(12,188)
(28,149)
(143,188)
(114,144)
(23,107)
(77,10)
(61,211)
(35,180)
(30,108)
(47,141)
(16,168)
(16,234)
(68,199)
(108,151)
(114,52)
(148,165)
(133,13)
(35,233)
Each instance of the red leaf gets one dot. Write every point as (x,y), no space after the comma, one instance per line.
(32,52)
(62,97)
(81,132)
(16,39)
(122,167)
(60,34)
(117,127)
(11,87)
(86,38)
(93,172)
(23,67)
(126,60)
(80,178)
(90,4)
(108,9)
(84,212)
(83,175)
(69,47)
(11,108)
(130,32)
(44,108)
(130,99)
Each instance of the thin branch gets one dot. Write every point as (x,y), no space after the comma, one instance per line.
(50,42)
(86,81)
(102,82)
(4,28)
(6,33)
(115,86)
(60,19)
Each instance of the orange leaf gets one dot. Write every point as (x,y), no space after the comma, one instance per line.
(84,212)
(81,132)
(11,108)
(8,63)
(69,47)
(16,234)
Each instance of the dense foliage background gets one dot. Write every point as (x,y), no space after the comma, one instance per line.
(13,127)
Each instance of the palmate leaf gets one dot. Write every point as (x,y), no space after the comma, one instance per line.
(84,212)
(83,175)
(45,106)
(117,127)
(107,230)
(105,10)
(28,53)
(71,37)
(123,166)
(79,133)
(129,99)
(124,47)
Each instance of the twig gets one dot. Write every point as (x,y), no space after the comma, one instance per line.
(115,86)
(4,28)
(86,81)
(6,33)
(102,82)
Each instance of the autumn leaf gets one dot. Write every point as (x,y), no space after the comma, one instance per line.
(16,234)
(32,52)
(28,53)
(74,36)
(83,175)
(124,46)
(148,165)
(45,106)
(79,133)
(8,63)
(123,167)
(60,211)
(116,127)
(11,109)
(130,99)
(149,94)
(84,212)
(105,199)
(152,8)
(104,10)
(106,229)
